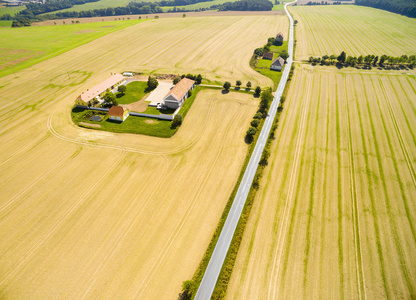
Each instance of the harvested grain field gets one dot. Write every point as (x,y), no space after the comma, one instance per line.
(92,214)
(219,48)
(336,215)
(357,30)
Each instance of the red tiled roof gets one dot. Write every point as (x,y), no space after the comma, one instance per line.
(99,88)
(181,88)
(116,111)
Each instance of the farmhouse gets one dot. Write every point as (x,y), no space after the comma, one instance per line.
(277,64)
(118,113)
(99,90)
(279,39)
(179,93)
(268,55)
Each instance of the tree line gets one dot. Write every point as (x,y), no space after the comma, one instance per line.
(403,7)
(367,60)
(245,5)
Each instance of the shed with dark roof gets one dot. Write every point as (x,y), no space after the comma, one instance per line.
(268,55)
(279,38)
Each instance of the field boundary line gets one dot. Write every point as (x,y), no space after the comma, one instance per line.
(398,132)
(289,199)
(355,215)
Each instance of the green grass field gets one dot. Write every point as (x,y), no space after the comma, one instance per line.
(135,91)
(5,23)
(278,7)
(10,10)
(98,5)
(26,46)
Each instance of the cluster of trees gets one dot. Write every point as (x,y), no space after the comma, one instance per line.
(227,86)
(197,78)
(152,83)
(266,48)
(245,5)
(21,23)
(368,60)
(404,7)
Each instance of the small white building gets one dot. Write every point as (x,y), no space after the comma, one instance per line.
(179,93)
(277,64)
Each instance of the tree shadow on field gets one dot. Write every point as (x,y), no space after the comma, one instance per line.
(224,91)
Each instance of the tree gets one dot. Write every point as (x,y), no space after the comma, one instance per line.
(248,85)
(177,121)
(284,54)
(199,79)
(109,97)
(342,57)
(238,83)
(375,60)
(266,98)
(122,89)
(176,79)
(296,22)
(258,115)
(227,85)
(188,289)
(251,131)
(257,90)
(152,83)
(360,59)
(255,123)
(184,16)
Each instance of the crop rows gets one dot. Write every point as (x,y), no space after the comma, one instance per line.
(348,222)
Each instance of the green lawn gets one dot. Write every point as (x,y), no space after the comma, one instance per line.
(25,46)
(7,10)
(278,7)
(273,75)
(135,91)
(5,23)
(138,125)
(265,63)
(133,124)
(198,5)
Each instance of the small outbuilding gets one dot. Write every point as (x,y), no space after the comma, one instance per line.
(268,55)
(277,64)
(118,113)
(179,93)
(279,39)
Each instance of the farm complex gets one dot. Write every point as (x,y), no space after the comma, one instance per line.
(103,195)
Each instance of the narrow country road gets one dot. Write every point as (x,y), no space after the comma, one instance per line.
(217,259)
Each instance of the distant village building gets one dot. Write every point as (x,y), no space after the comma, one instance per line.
(118,113)
(279,39)
(277,64)
(179,93)
(268,55)
(128,74)
(99,90)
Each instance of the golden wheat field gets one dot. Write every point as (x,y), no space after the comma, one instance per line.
(92,214)
(357,30)
(336,215)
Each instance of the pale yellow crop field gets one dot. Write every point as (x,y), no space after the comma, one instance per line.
(335,217)
(91,214)
(357,30)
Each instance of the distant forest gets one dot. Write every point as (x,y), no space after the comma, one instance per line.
(403,7)
(37,12)
(245,5)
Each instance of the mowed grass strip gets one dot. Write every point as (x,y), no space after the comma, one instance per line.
(355,29)
(26,46)
(321,257)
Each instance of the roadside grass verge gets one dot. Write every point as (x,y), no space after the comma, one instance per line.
(26,46)
(190,287)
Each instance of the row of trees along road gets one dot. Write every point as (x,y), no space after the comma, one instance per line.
(369,60)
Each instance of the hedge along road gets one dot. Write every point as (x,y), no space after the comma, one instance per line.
(221,248)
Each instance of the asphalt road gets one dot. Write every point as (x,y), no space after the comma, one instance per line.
(217,259)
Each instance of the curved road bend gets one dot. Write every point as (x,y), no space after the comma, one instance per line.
(217,259)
